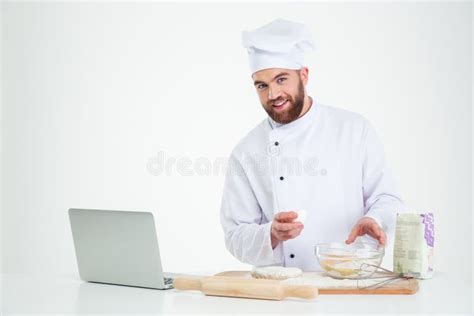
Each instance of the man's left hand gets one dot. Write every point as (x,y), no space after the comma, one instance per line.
(369,226)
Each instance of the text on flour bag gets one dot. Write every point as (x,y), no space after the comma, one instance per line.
(414,245)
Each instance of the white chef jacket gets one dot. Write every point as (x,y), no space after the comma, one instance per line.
(328,162)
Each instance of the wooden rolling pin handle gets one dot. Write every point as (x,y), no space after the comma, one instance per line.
(300,291)
(236,287)
(187,284)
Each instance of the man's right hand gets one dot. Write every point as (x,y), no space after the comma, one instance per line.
(283,227)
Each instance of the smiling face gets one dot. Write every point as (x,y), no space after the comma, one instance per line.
(282,92)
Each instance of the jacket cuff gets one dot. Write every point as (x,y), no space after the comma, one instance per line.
(275,255)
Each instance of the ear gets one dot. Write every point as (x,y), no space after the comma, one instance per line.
(304,75)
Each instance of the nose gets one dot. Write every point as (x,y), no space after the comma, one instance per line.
(273,93)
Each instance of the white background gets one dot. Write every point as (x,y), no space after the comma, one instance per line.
(93,92)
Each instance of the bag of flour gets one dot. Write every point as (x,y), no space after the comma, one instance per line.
(414,245)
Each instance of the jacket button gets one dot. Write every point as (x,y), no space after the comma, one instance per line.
(292,256)
(281,178)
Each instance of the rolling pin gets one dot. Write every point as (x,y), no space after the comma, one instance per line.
(248,288)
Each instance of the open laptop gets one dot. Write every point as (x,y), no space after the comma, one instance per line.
(117,247)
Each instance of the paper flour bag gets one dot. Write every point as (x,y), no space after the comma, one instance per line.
(414,245)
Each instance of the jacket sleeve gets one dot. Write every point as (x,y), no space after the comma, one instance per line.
(247,233)
(382,200)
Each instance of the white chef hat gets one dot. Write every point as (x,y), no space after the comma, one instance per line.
(278,44)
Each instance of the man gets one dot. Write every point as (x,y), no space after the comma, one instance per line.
(304,156)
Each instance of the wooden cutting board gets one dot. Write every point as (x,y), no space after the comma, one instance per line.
(397,287)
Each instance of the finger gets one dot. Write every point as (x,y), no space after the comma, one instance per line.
(285,227)
(286,216)
(295,232)
(377,233)
(383,238)
(353,235)
(292,233)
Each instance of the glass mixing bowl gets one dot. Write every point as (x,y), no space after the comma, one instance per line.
(354,261)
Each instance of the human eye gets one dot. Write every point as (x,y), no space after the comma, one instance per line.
(280,80)
(261,86)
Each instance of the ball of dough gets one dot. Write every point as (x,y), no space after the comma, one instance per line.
(276,272)
(301,216)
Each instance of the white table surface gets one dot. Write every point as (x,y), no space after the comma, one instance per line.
(67,294)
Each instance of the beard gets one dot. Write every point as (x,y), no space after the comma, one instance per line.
(292,110)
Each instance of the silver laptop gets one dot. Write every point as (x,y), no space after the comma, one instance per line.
(117,247)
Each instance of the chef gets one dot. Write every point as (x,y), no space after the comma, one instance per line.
(321,162)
